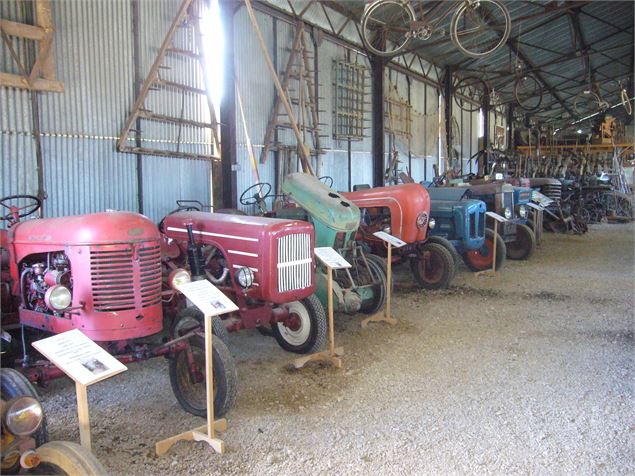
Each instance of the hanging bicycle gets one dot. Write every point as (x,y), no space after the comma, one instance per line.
(477,28)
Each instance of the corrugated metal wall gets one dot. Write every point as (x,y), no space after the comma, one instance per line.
(83,172)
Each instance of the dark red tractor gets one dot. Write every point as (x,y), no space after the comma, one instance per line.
(265,265)
(101,273)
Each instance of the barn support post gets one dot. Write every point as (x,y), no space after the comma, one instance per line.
(138,81)
(377,66)
(227,182)
(510,127)
(447,95)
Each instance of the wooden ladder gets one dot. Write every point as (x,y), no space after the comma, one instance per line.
(299,70)
(187,22)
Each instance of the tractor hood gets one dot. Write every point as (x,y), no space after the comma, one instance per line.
(448,193)
(522,195)
(321,203)
(91,229)
(447,208)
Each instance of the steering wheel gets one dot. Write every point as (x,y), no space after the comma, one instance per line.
(261,191)
(327,180)
(14,212)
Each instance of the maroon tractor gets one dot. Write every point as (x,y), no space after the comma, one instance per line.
(265,265)
(100,273)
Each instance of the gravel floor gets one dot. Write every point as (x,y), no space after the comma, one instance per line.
(527,372)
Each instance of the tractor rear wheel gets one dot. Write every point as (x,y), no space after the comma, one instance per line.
(381,262)
(305,330)
(524,244)
(378,275)
(481,259)
(433,268)
(189,387)
(65,457)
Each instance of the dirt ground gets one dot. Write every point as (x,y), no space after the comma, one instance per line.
(527,372)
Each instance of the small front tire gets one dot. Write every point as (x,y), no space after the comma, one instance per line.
(481,259)
(191,392)
(433,268)
(65,457)
(309,328)
(524,244)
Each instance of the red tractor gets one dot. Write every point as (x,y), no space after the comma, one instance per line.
(404,211)
(265,265)
(100,273)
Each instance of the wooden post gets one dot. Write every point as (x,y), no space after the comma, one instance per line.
(82,415)
(333,355)
(385,316)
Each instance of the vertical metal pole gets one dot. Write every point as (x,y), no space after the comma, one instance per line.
(138,81)
(377,65)
(227,183)
(447,95)
(409,141)
(510,127)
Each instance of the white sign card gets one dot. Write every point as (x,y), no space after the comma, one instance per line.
(79,357)
(207,297)
(331,258)
(496,216)
(388,238)
(535,207)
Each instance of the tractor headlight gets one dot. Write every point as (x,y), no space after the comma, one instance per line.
(387,229)
(522,211)
(58,298)
(179,277)
(432,223)
(245,277)
(23,416)
(422,219)
(508,213)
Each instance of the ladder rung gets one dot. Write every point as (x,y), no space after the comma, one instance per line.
(174,120)
(179,51)
(181,87)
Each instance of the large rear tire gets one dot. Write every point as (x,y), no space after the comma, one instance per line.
(14,384)
(480,260)
(379,274)
(190,390)
(524,244)
(433,268)
(65,457)
(309,328)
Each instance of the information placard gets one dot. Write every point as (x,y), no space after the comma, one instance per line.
(331,258)
(535,207)
(496,217)
(388,238)
(79,357)
(207,297)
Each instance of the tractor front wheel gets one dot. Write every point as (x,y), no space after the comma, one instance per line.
(447,244)
(378,274)
(306,328)
(65,457)
(433,268)
(187,377)
(524,244)
(481,259)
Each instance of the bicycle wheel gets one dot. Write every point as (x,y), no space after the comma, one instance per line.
(626,102)
(386,26)
(586,103)
(479,28)
(528,92)
(469,93)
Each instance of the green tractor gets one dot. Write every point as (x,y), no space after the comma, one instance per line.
(361,288)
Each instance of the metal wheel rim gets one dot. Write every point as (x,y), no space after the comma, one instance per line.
(299,337)
(367,16)
(455,22)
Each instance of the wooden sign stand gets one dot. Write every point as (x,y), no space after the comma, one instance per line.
(206,432)
(212,302)
(497,218)
(386,316)
(86,363)
(333,354)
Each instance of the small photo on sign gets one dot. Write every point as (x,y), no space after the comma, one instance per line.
(217,305)
(95,366)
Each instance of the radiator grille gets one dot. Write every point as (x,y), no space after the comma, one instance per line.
(295,262)
(553,191)
(121,283)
